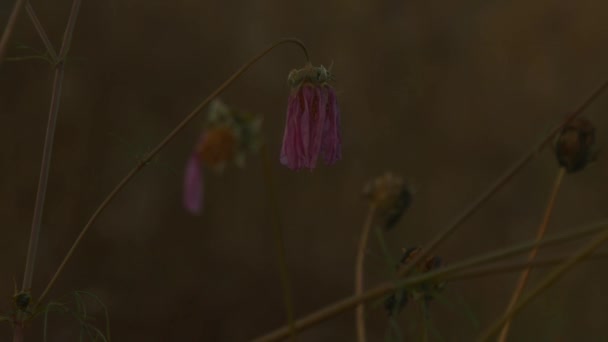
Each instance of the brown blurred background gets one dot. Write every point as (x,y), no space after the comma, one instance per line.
(447,94)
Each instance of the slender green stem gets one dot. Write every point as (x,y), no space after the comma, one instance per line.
(502,181)
(156,150)
(542,229)
(359,265)
(10,26)
(546,283)
(273,208)
(441,273)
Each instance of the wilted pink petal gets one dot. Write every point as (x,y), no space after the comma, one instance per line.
(332,136)
(313,120)
(304,128)
(295,144)
(193,185)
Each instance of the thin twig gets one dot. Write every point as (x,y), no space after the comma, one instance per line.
(359,265)
(445,272)
(546,283)
(8,29)
(542,229)
(502,181)
(156,150)
(273,208)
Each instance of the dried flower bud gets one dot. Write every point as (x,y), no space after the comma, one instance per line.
(390,196)
(574,147)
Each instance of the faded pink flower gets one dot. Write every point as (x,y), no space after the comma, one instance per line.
(313,120)
(228,136)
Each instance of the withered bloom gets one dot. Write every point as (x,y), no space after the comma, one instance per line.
(574,147)
(312,127)
(228,136)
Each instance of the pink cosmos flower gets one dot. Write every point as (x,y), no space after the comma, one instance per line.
(215,147)
(228,136)
(313,120)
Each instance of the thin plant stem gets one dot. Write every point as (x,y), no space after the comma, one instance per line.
(273,208)
(32,249)
(359,265)
(542,229)
(501,182)
(43,179)
(444,272)
(10,26)
(18,332)
(424,333)
(142,163)
(503,268)
(41,32)
(48,149)
(549,280)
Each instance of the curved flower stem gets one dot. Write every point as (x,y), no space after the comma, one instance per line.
(280,241)
(10,26)
(502,181)
(523,277)
(359,263)
(554,276)
(441,273)
(142,163)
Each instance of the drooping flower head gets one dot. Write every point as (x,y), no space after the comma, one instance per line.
(312,127)
(228,135)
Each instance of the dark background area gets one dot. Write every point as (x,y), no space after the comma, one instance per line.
(447,94)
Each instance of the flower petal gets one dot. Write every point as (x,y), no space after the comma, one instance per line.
(319,105)
(332,135)
(193,185)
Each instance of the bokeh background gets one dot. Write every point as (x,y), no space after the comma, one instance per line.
(447,94)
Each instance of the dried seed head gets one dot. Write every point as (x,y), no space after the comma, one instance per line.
(574,147)
(390,196)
